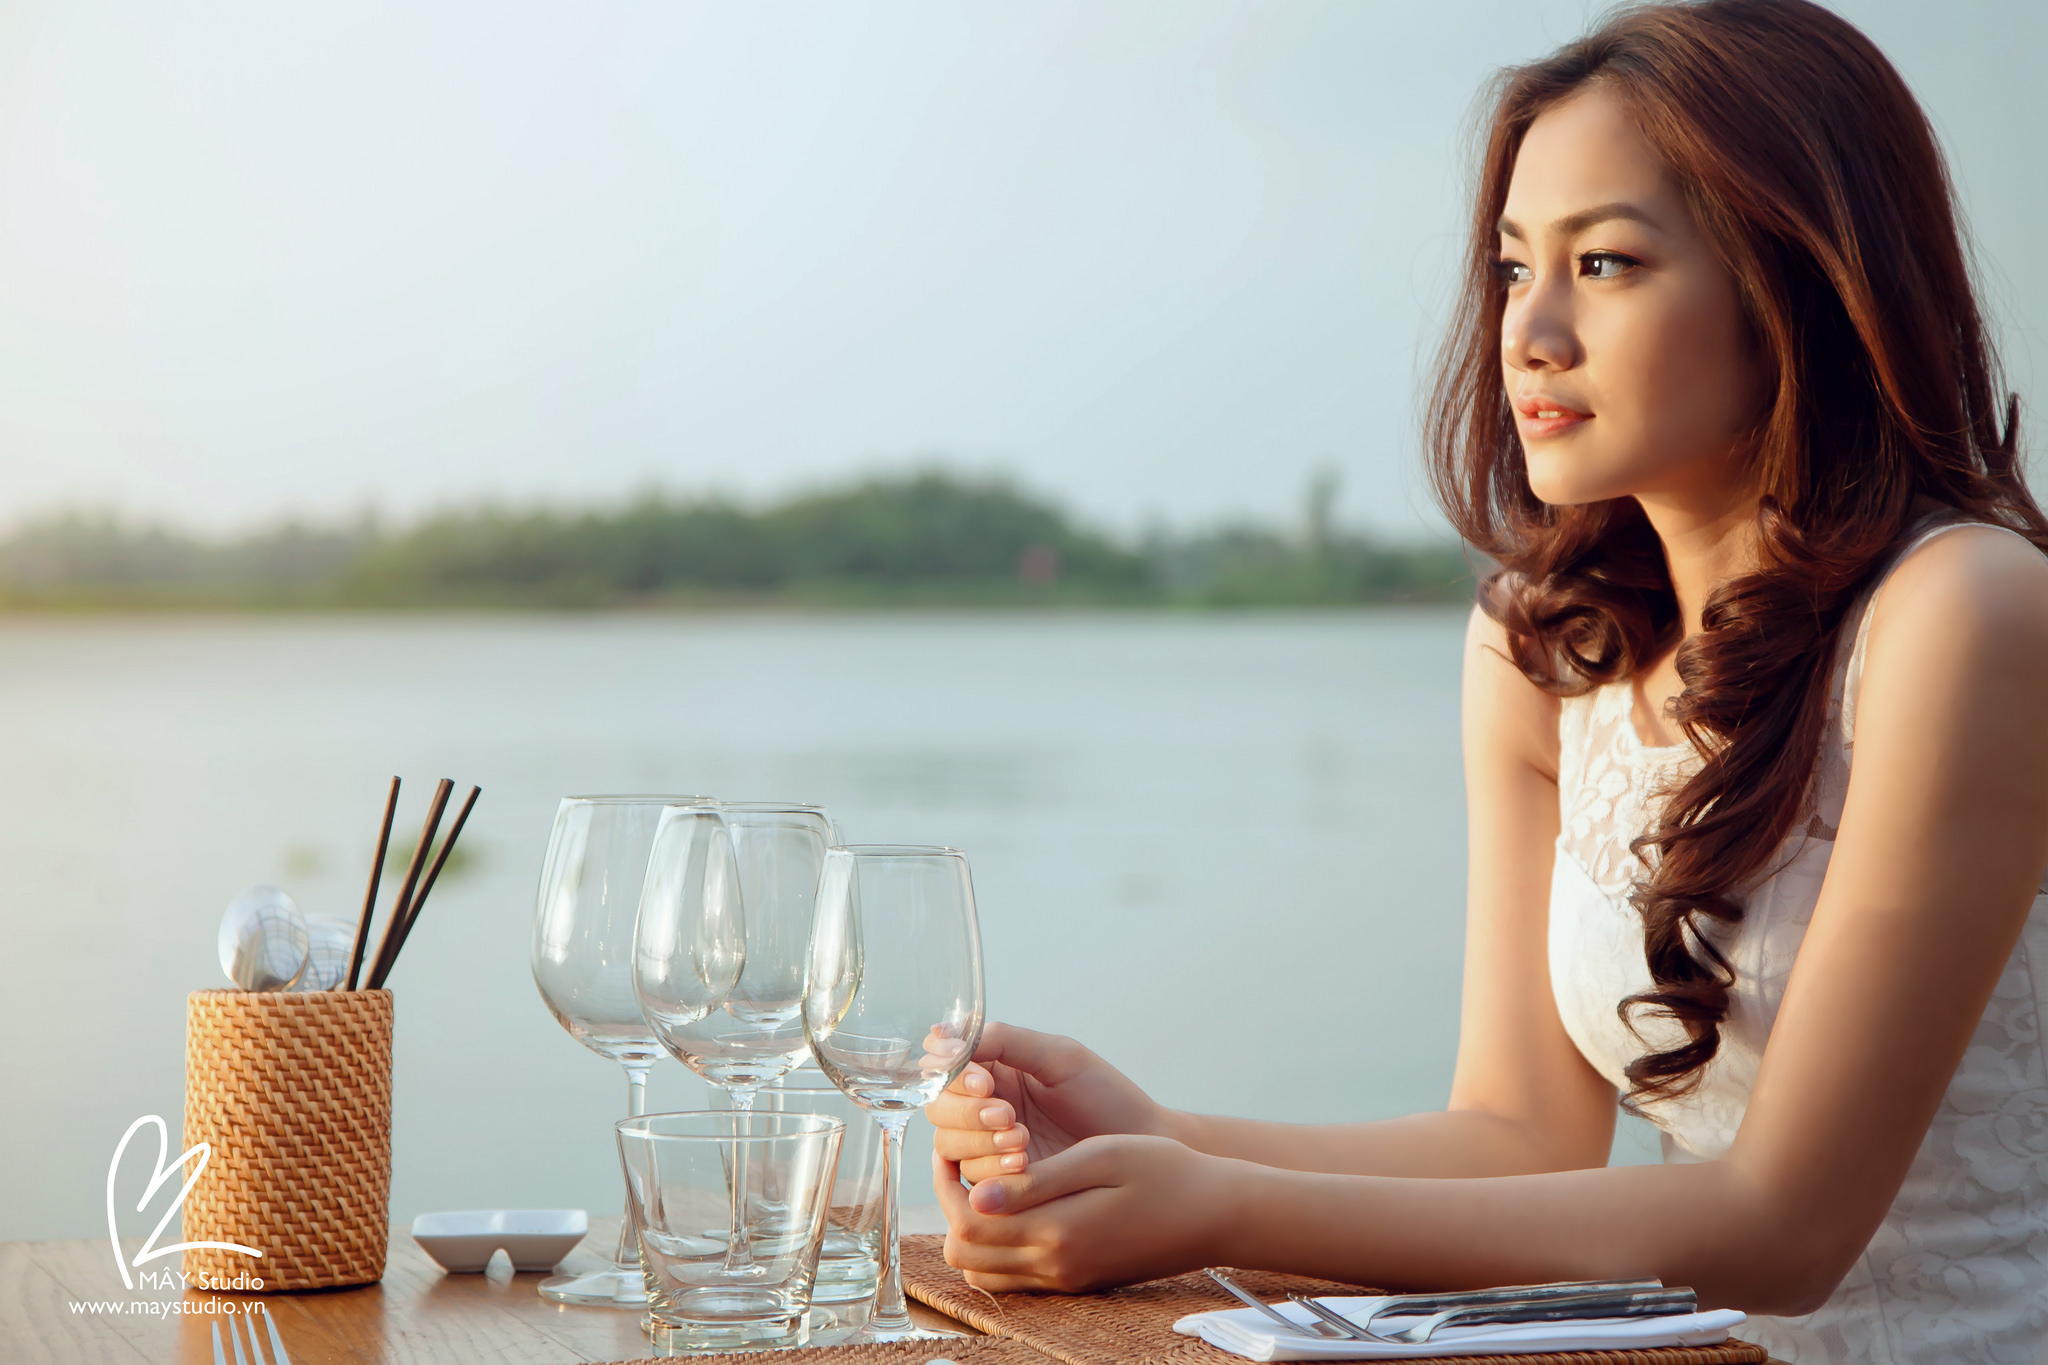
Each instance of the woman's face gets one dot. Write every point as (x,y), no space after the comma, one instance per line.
(1623,345)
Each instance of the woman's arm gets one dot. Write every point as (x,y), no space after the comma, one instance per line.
(1941,849)
(1523,1098)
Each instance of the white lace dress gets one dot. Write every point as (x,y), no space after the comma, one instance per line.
(1958,1272)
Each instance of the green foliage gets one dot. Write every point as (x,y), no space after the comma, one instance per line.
(926,529)
(73,558)
(923,539)
(1249,566)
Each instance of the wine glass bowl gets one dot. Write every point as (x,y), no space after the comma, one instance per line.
(894,1028)
(582,959)
(583,921)
(689,932)
(724,932)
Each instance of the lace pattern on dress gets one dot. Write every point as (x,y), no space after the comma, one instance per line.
(1958,1270)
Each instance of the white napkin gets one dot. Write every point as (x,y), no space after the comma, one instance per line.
(1245,1332)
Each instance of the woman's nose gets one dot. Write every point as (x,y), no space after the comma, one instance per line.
(1536,331)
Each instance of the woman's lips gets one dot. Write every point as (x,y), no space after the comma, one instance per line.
(1541,417)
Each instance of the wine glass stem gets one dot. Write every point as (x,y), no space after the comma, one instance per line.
(739,1251)
(627,1257)
(890,1314)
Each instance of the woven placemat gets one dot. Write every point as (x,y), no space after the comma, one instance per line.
(1134,1325)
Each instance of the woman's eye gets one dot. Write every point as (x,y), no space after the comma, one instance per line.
(1605,265)
(1512,272)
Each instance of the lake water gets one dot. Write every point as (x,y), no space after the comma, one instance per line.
(1226,851)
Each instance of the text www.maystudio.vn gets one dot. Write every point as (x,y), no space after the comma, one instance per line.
(162,1308)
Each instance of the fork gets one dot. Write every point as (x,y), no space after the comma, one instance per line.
(1306,1329)
(1648,1304)
(255,1356)
(1406,1305)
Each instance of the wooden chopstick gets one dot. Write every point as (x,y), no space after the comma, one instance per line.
(387,944)
(412,912)
(355,959)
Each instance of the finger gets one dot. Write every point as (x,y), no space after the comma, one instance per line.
(991,1259)
(962,1143)
(1005,1284)
(945,1050)
(979,1168)
(970,1113)
(955,1145)
(944,1037)
(963,1224)
(1069,1172)
(952,1197)
(943,1055)
(974,1081)
(987,1154)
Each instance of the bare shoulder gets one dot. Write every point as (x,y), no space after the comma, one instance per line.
(1973,603)
(1507,717)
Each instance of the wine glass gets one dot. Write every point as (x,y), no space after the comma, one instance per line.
(582,956)
(723,941)
(731,877)
(893,1008)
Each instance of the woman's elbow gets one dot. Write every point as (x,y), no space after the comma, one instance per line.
(1787,1262)
(1785,1287)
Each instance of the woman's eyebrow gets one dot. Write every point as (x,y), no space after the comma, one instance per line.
(1572,224)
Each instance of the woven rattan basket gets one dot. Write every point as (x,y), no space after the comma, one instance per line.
(294,1094)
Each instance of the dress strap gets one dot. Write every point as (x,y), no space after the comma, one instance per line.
(1850,679)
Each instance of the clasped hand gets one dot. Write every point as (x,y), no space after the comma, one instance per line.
(1078,1180)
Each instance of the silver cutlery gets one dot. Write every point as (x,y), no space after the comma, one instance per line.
(255,1354)
(277,1355)
(1306,1329)
(1649,1304)
(1562,1302)
(1407,1305)
(1355,1330)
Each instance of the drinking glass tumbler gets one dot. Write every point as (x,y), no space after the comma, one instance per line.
(851,1261)
(685,1174)
(582,958)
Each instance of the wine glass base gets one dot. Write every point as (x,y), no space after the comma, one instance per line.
(872,1334)
(597,1289)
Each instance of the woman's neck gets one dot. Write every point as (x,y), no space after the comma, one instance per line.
(1706,543)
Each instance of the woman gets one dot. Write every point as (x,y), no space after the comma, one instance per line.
(1756,752)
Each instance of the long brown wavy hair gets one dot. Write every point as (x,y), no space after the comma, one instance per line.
(1815,174)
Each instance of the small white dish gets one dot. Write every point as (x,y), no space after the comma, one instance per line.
(535,1239)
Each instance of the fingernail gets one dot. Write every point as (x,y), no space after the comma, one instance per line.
(989,1197)
(995,1116)
(976,1082)
(1009,1137)
(1013,1162)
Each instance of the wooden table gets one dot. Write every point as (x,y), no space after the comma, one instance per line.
(418,1315)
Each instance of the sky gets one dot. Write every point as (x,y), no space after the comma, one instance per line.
(1159,259)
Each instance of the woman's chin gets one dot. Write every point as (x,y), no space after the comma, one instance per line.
(1561,490)
(1566,473)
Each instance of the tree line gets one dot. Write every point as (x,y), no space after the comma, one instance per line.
(923,538)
